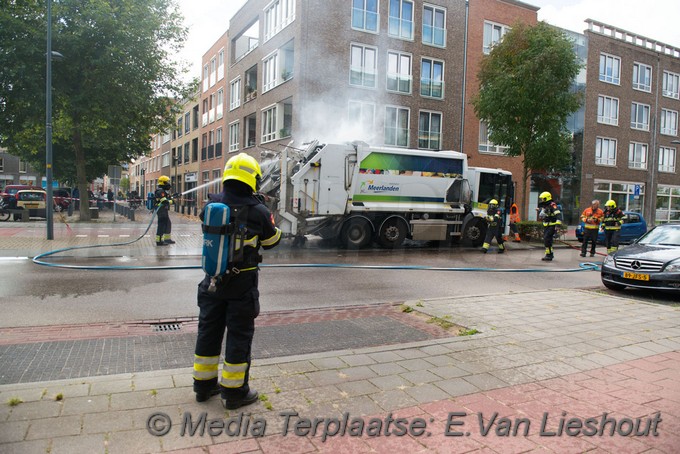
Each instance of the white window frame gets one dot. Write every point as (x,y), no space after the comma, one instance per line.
(23,166)
(235,93)
(429,81)
(608,110)
(206,77)
(165,159)
(277,15)
(363,14)
(493,34)
(400,20)
(433,137)
(432,28)
(669,209)
(671,85)
(668,122)
(2,164)
(234,130)
(486,146)
(398,73)
(636,110)
(642,77)
(637,155)
(270,71)
(600,158)
(220,64)
(220,103)
(399,110)
(213,71)
(269,130)
(667,159)
(361,68)
(610,69)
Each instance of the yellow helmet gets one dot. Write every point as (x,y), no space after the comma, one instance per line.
(493,202)
(545,197)
(243,168)
(163,180)
(610,204)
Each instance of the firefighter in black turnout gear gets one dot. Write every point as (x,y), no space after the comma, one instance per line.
(163,199)
(233,302)
(493,227)
(611,223)
(550,215)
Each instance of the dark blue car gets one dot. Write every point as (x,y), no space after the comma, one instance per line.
(634,226)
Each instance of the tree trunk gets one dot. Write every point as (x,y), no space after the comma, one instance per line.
(81,175)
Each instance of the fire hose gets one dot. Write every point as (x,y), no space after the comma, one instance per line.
(587,266)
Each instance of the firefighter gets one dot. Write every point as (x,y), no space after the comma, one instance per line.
(613,218)
(550,215)
(591,217)
(163,200)
(493,227)
(234,301)
(515,218)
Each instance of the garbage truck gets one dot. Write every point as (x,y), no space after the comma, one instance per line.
(357,194)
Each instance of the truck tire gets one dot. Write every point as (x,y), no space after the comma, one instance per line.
(475,232)
(392,233)
(356,233)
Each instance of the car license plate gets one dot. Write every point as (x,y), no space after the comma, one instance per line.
(636,276)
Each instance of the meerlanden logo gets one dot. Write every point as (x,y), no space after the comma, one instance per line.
(370,186)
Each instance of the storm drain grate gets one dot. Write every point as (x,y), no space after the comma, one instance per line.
(163,327)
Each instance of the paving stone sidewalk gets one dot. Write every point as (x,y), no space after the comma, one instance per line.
(554,355)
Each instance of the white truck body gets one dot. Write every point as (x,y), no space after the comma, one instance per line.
(358,193)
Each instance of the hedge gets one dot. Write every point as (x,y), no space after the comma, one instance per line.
(533,230)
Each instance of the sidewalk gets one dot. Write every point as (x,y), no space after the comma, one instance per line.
(545,361)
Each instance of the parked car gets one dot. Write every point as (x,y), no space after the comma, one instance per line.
(33,200)
(11,189)
(62,198)
(634,226)
(651,262)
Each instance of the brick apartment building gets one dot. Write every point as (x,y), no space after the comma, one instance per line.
(630,139)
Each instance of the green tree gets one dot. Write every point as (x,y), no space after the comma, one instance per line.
(526,95)
(115,86)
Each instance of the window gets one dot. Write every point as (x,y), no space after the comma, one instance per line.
(363,66)
(165,159)
(218,142)
(277,16)
(398,72)
(493,33)
(365,15)
(667,159)
(2,164)
(204,147)
(639,118)
(23,167)
(667,203)
(235,94)
(220,65)
(362,114)
(211,144)
(187,123)
(605,151)
(434,26)
(610,69)
(220,103)
(213,71)
(186,153)
(206,181)
(206,71)
(608,110)
(396,126)
(180,130)
(637,155)
(269,72)
(233,137)
(671,84)
(669,122)
(642,77)
(269,124)
(216,178)
(629,196)
(485,143)
(430,130)
(432,78)
(401,19)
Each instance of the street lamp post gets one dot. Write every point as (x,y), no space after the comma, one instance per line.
(49,209)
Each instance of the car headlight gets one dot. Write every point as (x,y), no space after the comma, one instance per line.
(673,267)
(608,260)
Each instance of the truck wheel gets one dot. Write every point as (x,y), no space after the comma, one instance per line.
(4,215)
(392,233)
(475,233)
(356,234)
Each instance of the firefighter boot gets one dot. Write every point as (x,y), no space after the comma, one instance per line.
(159,241)
(501,248)
(167,240)
(233,404)
(485,247)
(202,396)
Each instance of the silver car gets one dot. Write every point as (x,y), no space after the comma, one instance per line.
(651,262)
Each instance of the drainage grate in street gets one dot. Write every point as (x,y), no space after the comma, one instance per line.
(163,327)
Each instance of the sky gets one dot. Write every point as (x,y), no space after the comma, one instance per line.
(656,19)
